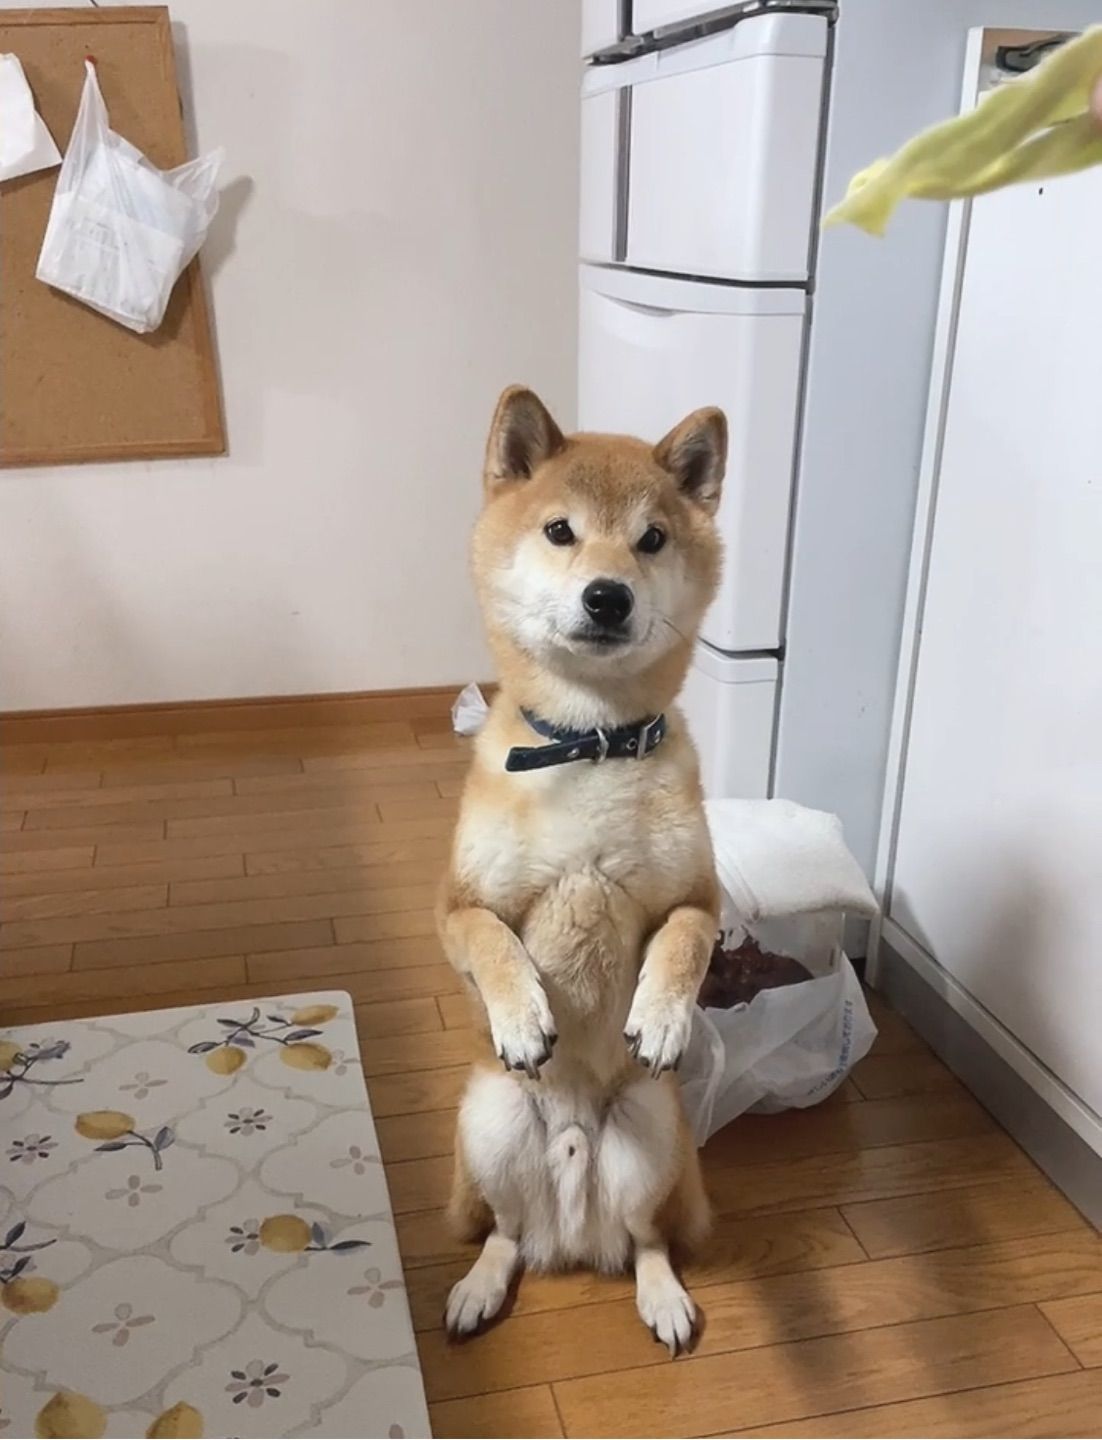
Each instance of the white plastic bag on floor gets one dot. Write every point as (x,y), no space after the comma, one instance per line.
(469,711)
(788,882)
(121,232)
(25,143)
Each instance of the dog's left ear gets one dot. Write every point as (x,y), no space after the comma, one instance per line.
(695,454)
(522,436)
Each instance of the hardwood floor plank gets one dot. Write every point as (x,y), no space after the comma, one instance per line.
(894,1036)
(65,903)
(367,829)
(364,771)
(408,983)
(386,1021)
(420,923)
(175,920)
(304,882)
(197,944)
(88,803)
(1068,1405)
(431,851)
(416,1137)
(424,1238)
(12,820)
(117,877)
(455,1011)
(126,981)
(883,1077)
(431,807)
(365,735)
(850,1176)
(231,812)
(29,761)
(417,1091)
(208,768)
(740,1248)
(402,1054)
(93,754)
(142,836)
(38,960)
(909,1224)
(387,954)
(42,782)
(753,1139)
(745,1315)
(508,1413)
(1078,1321)
(813,1377)
(69,857)
(419,1184)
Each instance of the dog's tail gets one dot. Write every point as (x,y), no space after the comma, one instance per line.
(568,1157)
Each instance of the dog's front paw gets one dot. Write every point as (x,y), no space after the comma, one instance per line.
(658,1027)
(523,1028)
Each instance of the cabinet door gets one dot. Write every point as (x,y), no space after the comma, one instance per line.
(650,350)
(998,863)
(724,153)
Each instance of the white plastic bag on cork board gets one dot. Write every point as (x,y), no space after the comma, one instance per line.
(121,231)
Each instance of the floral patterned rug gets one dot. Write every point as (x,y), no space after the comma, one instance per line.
(195,1233)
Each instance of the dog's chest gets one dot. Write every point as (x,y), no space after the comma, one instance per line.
(596,838)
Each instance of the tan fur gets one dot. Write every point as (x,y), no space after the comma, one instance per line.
(580,902)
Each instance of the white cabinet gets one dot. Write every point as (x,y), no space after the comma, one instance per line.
(650,350)
(724,151)
(729,704)
(701,159)
(600,24)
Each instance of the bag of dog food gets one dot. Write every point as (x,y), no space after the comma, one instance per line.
(121,232)
(781,1018)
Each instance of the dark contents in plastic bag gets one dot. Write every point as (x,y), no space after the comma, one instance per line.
(735,976)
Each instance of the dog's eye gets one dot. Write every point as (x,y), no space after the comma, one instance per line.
(559,532)
(652,541)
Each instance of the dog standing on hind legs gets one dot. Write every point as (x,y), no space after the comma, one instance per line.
(580,902)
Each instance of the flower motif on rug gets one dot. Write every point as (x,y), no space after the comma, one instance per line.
(247,1121)
(122,1324)
(30,1148)
(375,1288)
(142,1084)
(256,1383)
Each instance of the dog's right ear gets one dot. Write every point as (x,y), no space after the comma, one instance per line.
(522,436)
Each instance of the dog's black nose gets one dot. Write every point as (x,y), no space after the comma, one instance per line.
(608,603)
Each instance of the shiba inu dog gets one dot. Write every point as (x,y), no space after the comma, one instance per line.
(581,902)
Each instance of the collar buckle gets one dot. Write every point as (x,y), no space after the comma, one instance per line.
(602,743)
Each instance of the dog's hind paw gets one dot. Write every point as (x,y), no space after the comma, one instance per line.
(657,1029)
(524,1031)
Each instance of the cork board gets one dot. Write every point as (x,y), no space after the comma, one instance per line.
(75,385)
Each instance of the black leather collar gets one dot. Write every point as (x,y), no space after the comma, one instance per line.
(625,742)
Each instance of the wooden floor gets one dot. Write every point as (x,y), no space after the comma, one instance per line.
(889,1264)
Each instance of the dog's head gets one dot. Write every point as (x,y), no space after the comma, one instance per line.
(597,554)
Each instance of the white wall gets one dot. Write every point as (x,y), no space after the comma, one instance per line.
(397,242)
